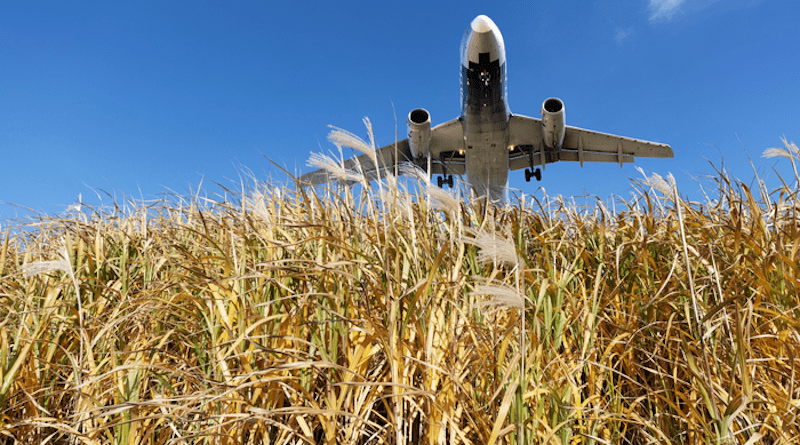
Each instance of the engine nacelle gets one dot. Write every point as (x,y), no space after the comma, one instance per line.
(419,132)
(553,123)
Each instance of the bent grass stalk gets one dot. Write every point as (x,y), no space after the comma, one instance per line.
(272,315)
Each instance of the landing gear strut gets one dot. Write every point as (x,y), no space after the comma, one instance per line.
(533,174)
(445,179)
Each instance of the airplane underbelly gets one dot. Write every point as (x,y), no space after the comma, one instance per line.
(487,162)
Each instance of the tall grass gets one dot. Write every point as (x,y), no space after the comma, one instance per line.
(383,316)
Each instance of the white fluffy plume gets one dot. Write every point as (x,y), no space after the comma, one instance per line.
(493,249)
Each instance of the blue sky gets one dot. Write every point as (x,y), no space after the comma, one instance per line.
(136,99)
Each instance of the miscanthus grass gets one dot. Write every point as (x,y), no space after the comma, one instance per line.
(374,315)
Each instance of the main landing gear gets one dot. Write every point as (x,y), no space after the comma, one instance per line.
(445,179)
(533,174)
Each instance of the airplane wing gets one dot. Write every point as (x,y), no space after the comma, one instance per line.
(446,146)
(580,145)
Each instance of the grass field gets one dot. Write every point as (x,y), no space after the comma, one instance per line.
(268,315)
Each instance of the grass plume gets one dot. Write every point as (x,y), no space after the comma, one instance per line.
(272,315)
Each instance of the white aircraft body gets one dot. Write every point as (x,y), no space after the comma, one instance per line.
(487,140)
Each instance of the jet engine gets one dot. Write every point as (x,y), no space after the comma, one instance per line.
(553,125)
(419,132)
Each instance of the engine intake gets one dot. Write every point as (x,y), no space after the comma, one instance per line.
(419,132)
(553,123)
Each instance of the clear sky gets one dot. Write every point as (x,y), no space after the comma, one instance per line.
(135,99)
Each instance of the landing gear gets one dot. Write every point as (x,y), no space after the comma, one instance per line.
(533,174)
(445,179)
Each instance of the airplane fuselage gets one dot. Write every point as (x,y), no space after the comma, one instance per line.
(487,141)
(484,108)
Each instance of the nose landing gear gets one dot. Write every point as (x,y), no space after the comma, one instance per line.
(445,179)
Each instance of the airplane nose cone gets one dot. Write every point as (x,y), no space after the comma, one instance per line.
(482,37)
(482,24)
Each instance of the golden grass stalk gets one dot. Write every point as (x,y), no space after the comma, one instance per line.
(282,316)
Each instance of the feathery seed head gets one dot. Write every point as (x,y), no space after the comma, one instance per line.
(258,206)
(443,200)
(39,267)
(776,152)
(415,172)
(657,182)
(337,170)
(493,249)
(343,138)
(500,295)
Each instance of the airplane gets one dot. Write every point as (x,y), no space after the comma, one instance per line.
(487,141)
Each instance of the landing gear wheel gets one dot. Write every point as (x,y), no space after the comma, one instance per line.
(533,174)
(442,180)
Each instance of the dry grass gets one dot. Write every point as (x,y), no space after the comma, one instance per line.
(279,316)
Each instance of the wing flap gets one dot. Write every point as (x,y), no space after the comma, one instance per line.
(580,139)
(574,156)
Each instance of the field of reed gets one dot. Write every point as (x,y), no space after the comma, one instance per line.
(377,314)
